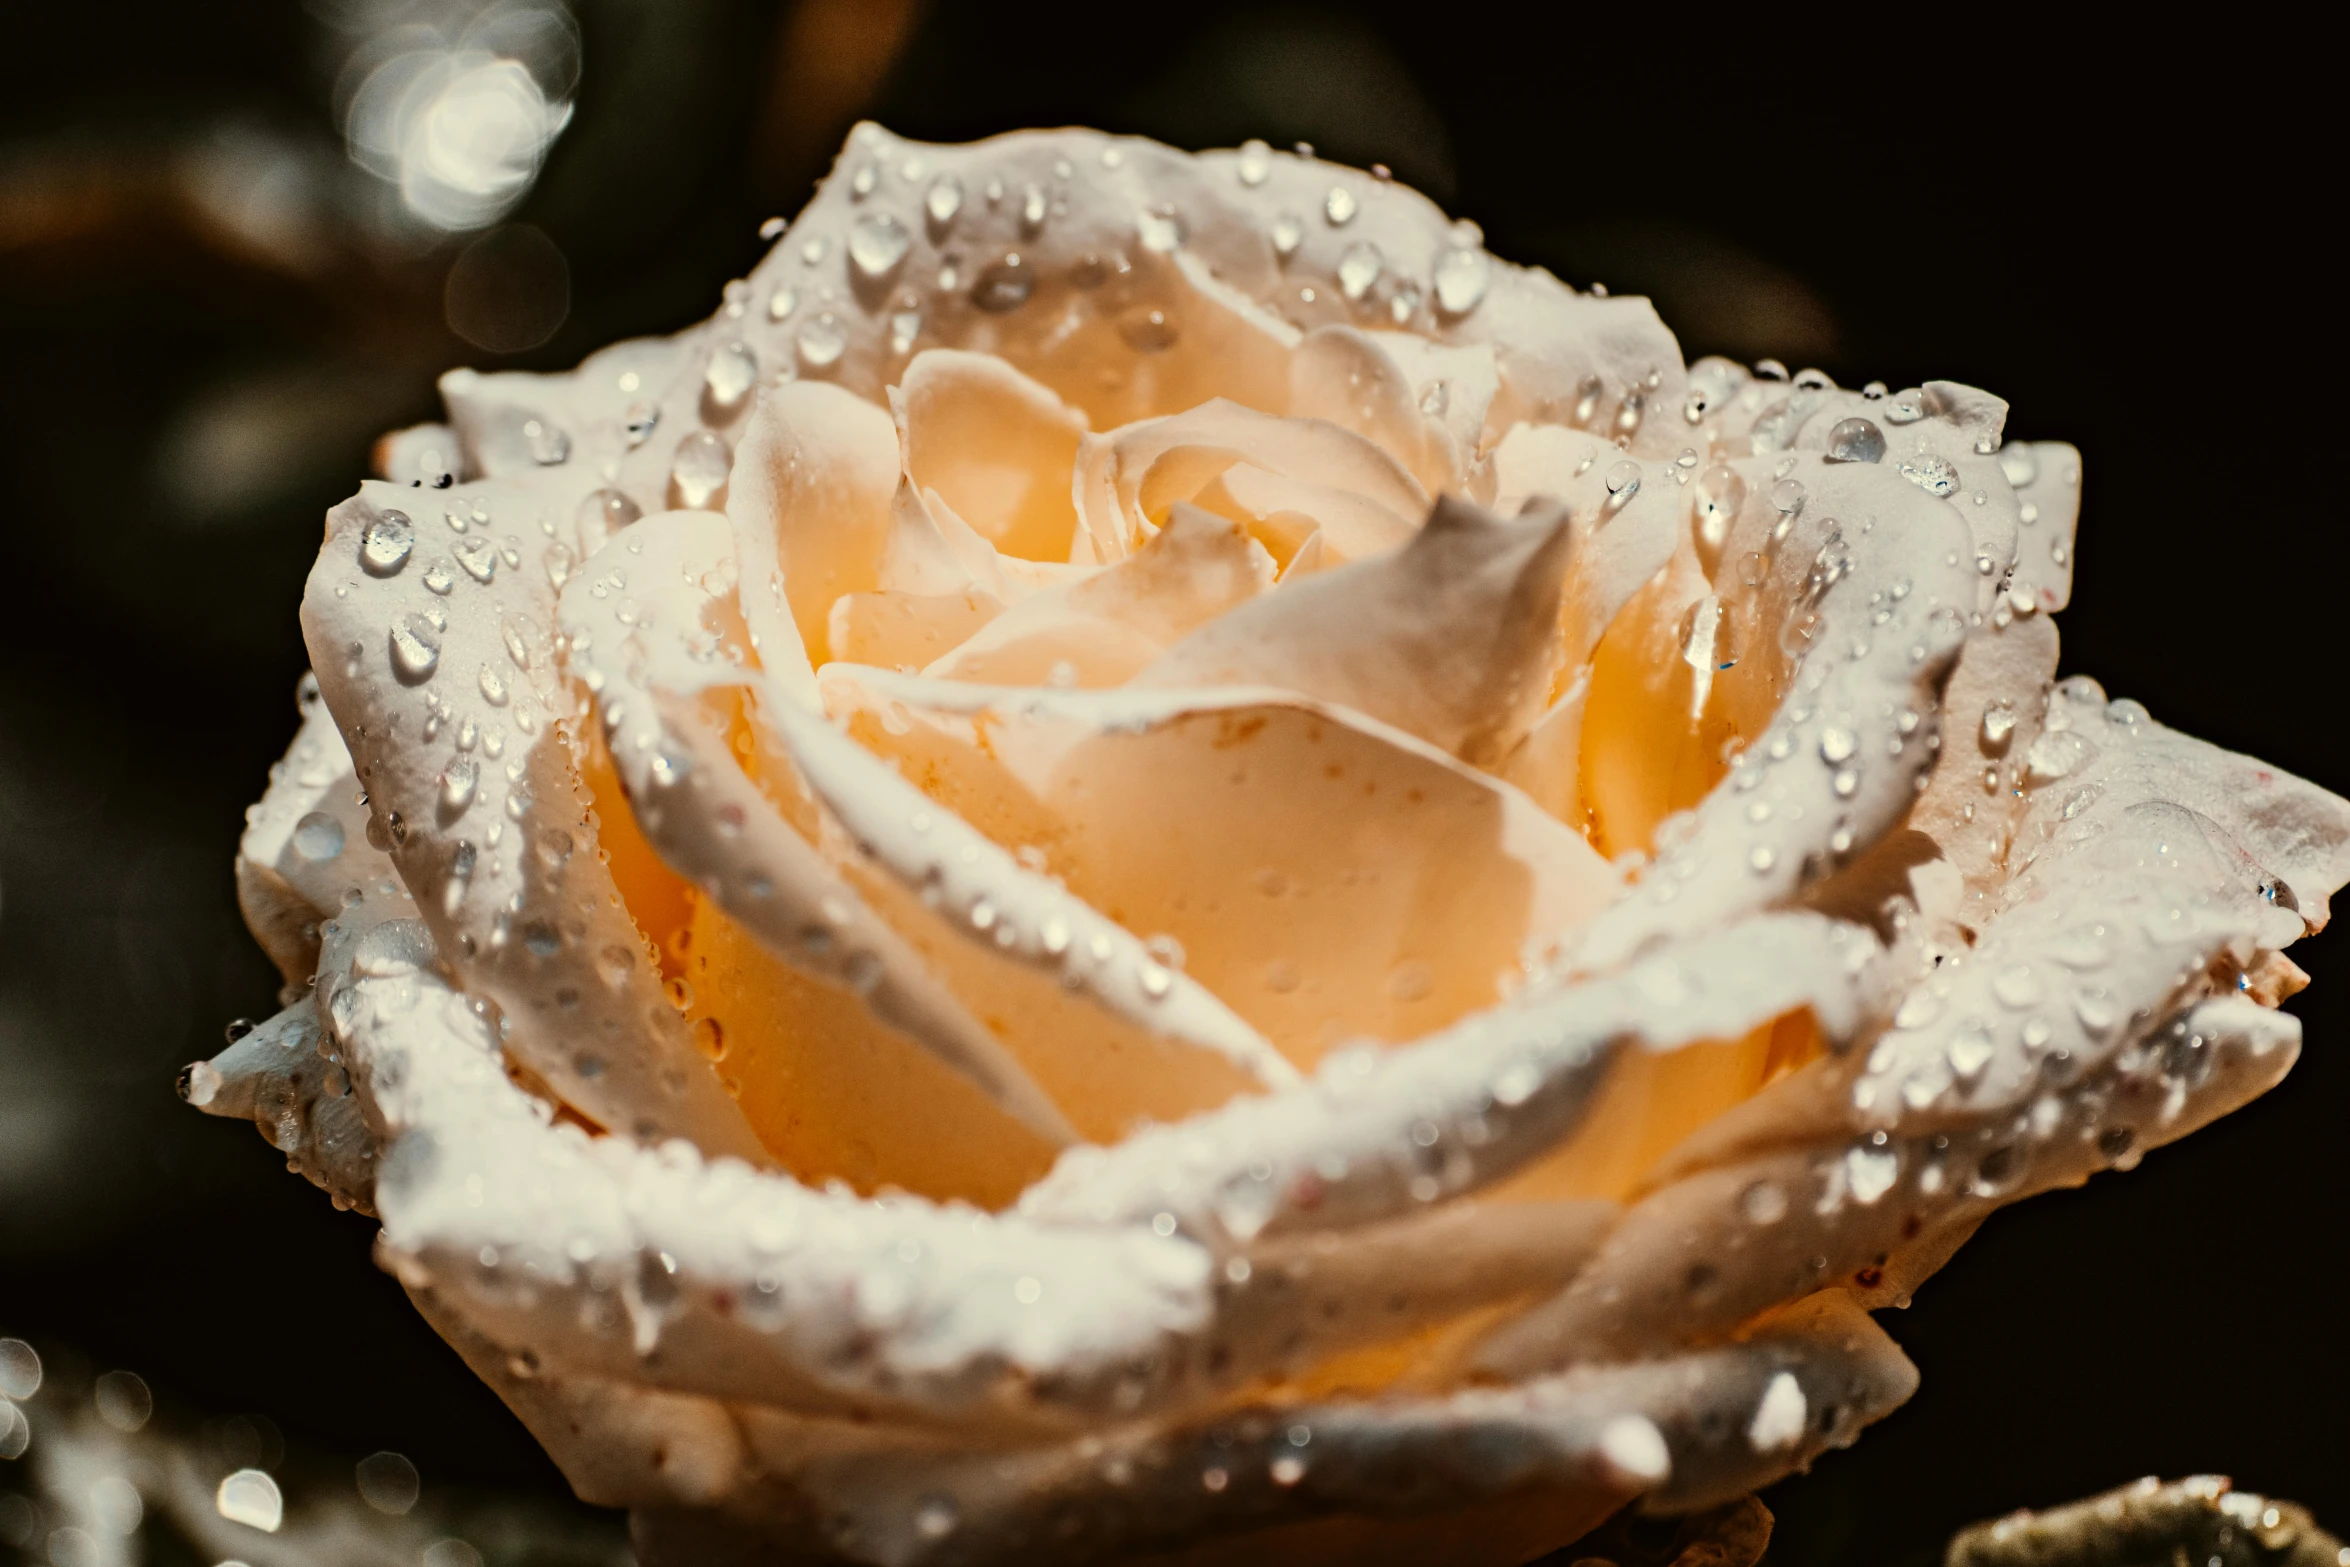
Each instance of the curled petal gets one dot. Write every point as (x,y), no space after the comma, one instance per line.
(445,686)
(637,645)
(1128,478)
(1210,810)
(1105,628)
(304,843)
(996,447)
(703,1275)
(1381,1134)
(1856,703)
(1385,1480)
(1450,638)
(811,505)
(281,1078)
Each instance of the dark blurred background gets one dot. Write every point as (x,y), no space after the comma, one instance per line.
(239,239)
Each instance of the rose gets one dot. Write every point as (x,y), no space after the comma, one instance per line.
(1149,854)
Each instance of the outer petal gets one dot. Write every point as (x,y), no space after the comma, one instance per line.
(444,684)
(304,843)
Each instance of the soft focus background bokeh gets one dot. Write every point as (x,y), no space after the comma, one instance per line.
(238,239)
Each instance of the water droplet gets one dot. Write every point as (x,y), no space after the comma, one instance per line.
(1856,440)
(1846,783)
(782,303)
(2095,1009)
(478,556)
(1836,744)
(862,182)
(458,783)
(727,381)
(1339,207)
(1033,208)
(1869,1173)
(1289,232)
(1004,286)
(416,648)
(1623,482)
(2017,985)
(493,687)
(1764,1202)
(385,543)
(1156,981)
(548,444)
(1462,277)
(1998,726)
(1159,229)
(1931,473)
(439,578)
(821,342)
(904,327)
(1256,162)
(317,837)
(942,201)
(1359,268)
(1146,329)
(1904,410)
(877,243)
(710,1038)
(1720,492)
(698,472)
(1969,1052)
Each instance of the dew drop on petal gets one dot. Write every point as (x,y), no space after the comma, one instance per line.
(1340,206)
(1931,473)
(1359,268)
(458,783)
(1289,232)
(728,378)
(416,648)
(821,341)
(943,200)
(385,543)
(1856,440)
(1004,286)
(1462,277)
(877,243)
(1255,163)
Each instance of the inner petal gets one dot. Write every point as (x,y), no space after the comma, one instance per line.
(996,446)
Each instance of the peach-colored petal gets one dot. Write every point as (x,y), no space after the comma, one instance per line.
(1101,629)
(446,688)
(1127,478)
(1327,876)
(647,646)
(995,902)
(1450,638)
(811,505)
(1853,697)
(996,447)
(906,630)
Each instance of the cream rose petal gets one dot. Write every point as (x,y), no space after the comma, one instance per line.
(1450,638)
(443,679)
(636,620)
(996,447)
(596,1257)
(1211,810)
(1104,629)
(304,843)
(1127,478)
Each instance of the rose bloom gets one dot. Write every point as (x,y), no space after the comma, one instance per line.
(1149,861)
